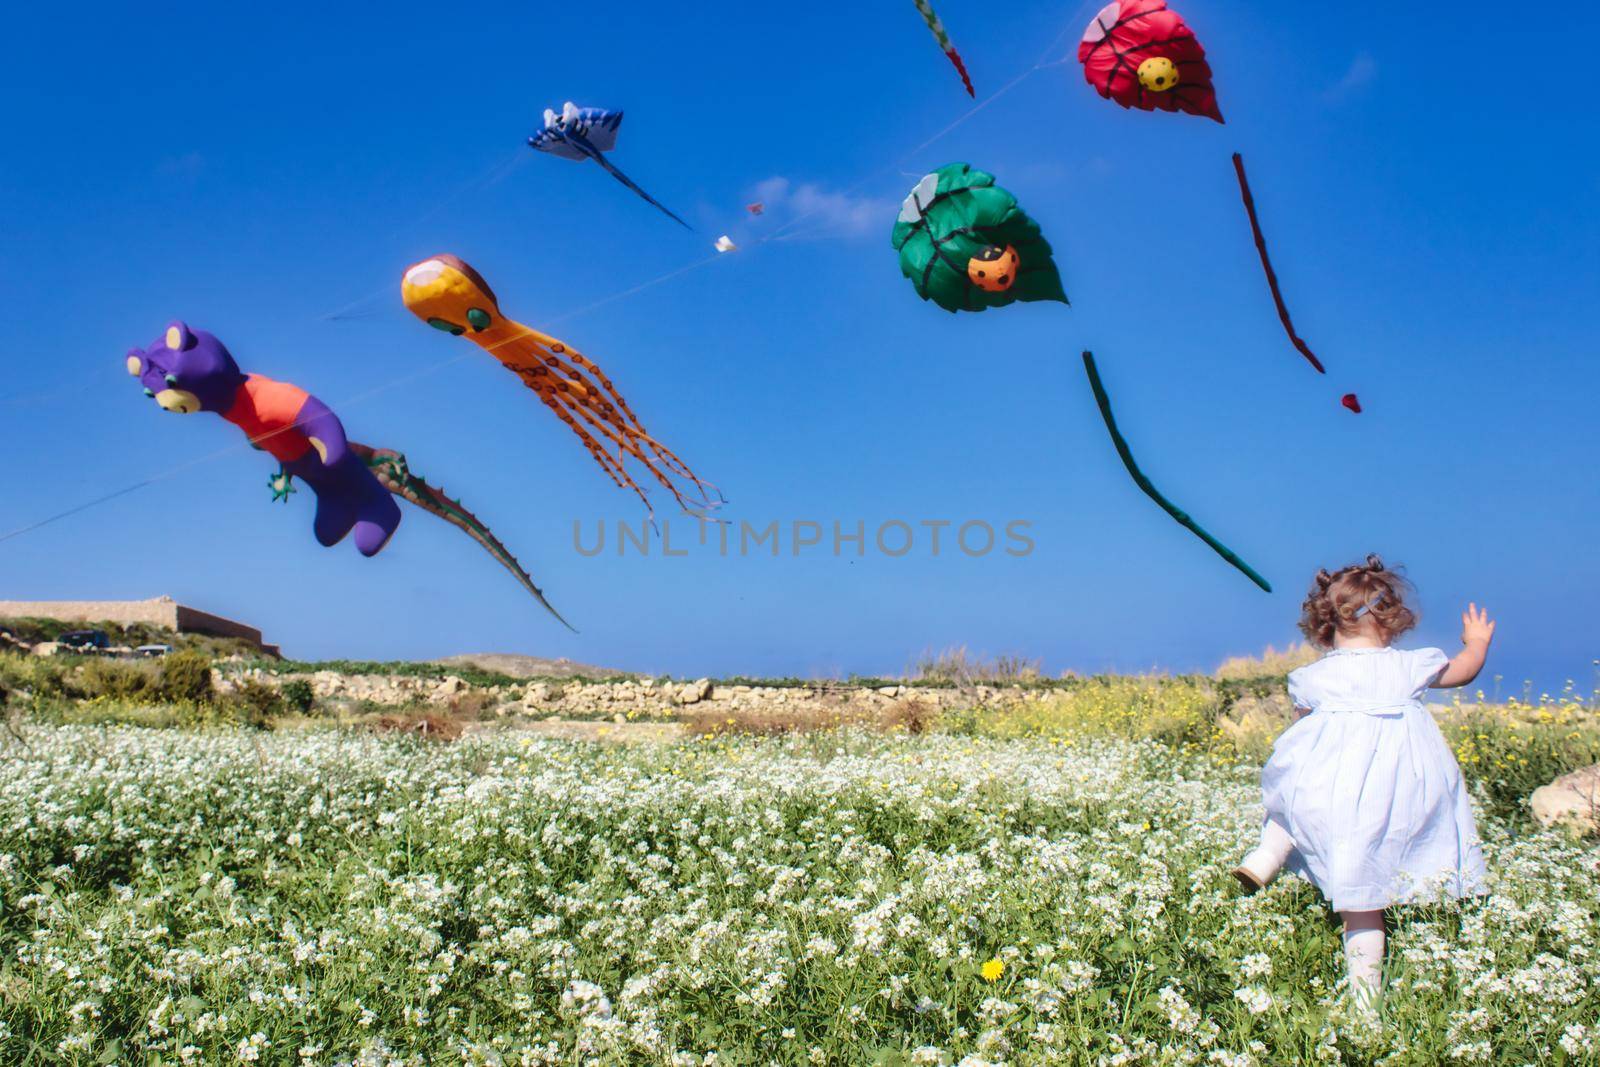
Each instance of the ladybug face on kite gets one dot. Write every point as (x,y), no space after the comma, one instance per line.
(1158,74)
(994,269)
(966,245)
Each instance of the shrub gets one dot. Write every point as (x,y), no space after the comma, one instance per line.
(1270,664)
(298,695)
(472,704)
(255,703)
(432,727)
(1509,750)
(957,666)
(1251,723)
(1176,711)
(910,715)
(715,722)
(186,676)
(116,680)
(33,675)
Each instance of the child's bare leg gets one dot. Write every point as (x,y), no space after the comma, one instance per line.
(1267,859)
(1363,953)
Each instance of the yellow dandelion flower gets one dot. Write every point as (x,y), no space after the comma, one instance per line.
(993,969)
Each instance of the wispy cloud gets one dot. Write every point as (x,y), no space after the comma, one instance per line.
(1363,71)
(814,211)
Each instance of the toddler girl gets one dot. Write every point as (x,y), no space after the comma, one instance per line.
(1363,794)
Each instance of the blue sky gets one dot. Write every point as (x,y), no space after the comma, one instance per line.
(251,169)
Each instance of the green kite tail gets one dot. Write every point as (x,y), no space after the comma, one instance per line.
(1150,490)
(390,468)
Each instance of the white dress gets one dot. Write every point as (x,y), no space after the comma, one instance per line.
(1367,786)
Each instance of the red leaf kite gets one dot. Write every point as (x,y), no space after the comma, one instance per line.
(1140,54)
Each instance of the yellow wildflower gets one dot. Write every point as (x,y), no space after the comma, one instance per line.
(993,969)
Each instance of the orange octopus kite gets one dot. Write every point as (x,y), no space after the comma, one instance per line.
(449,295)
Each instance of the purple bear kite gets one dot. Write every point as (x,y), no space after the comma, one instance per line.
(190,370)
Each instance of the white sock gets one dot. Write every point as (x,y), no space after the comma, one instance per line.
(1363,955)
(1268,858)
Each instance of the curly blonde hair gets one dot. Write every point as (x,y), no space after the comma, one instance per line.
(1336,600)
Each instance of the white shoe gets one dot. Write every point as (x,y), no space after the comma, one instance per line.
(1249,872)
(1249,881)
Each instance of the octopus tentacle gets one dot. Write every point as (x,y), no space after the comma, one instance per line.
(541,386)
(619,475)
(602,400)
(449,295)
(624,442)
(560,348)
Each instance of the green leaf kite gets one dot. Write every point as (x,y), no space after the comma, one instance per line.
(967,246)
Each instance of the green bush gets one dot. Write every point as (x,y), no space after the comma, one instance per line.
(1175,711)
(33,675)
(255,703)
(298,695)
(115,679)
(186,677)
(1509,750)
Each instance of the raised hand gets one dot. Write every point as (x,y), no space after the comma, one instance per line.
(1476,628)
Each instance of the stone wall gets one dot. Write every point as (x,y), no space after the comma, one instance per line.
(645,697)
(160,611)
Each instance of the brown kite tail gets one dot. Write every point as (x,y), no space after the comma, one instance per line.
(1266,265)
(390,468)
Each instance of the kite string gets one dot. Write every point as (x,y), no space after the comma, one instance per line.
(1038,65)
(346,404)
(779,233)
(250,442)
(488,177)
(641,287)
(491,175)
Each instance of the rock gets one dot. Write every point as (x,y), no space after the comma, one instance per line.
(1573,800)
(695,691)
(448,690)
(47,648)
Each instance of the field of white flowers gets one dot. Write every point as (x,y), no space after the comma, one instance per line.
(328,897)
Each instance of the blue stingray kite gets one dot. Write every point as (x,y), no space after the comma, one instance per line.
(587,133)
